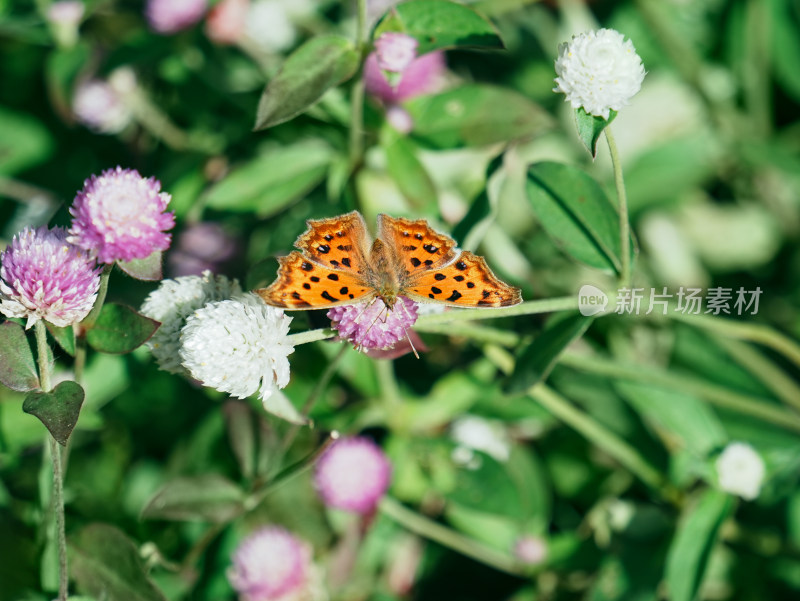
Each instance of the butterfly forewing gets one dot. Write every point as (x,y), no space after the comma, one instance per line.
(465,282)
(305,284)
(416,245)
(339,242)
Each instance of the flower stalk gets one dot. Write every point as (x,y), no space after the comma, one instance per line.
(622,208)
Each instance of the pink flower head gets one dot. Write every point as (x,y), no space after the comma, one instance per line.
(353,475)
(120,216)
(374,326)
(45,277)
(395,51)
(530,549)
(227,21)
(170,16)
(422,76)
(98,106)
(270,565)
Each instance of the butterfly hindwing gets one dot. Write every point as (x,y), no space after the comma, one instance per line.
(305,284)
(465,282)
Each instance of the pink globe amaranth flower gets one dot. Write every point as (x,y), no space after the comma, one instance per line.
(395,51)
(200,247)
(170,16)
(269,565)
(374,325)
(120,216)
(45,277)
(423,76)
(98,106)
(227,21)
(353,475)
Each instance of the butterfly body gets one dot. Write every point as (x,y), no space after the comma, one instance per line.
(338,264)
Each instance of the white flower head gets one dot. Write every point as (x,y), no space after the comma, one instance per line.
(740,470)
(238,346)
(474,433)
(175,300)
(599,71)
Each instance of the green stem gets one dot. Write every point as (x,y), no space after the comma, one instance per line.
(743,331)
(756,75)
(605,439)
(387,383)
(471,331)
(357,97)
(622,206)
(91,318)
(58,474)
(711,393)
(311,336)
(550,305)
(446,537)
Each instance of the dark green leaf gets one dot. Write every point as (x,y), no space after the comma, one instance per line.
(106,564)
(689,419)
(590,128)
(407,171)
(539,357)
(273,180)
(147,269)
(210,498)
(483,210)
(690,549)
(318,65)
(58,409)
(241,426)
(475,115)
(576,213)
(65,337)
(439,24)
(17,366)
(120,329)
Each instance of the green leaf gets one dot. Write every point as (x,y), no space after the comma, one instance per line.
(590,128)
(692,421)
(279,405)
(439,24)
(241,426)
(58,409)
(475,115)
(17,366)
(407,171)
(120,329)
(210,497)
(25,142)
(318,65)
(483,210)
(690,549)
(538,358)
(147,269)
(273,180)
(576,213)
(65,337)
(106,564)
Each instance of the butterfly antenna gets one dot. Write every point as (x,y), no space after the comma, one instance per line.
(413,348)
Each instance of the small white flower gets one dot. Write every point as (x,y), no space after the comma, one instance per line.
(599,71)
(238,346)
(741,470)
(475,433)
(172,302)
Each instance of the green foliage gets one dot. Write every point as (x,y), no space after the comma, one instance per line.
(119,329)
(17,366)
(57,409)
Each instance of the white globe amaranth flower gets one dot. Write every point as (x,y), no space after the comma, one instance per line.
(740,470)
(175,300)
(238,346)
(599,71)
(475,433)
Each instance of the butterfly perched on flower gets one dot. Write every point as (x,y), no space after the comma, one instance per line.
(338,263)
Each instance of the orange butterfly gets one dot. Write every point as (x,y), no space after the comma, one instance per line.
(339,264)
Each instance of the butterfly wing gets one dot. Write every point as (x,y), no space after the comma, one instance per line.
(306,284)
(465,282)
(415,245)
(341,243)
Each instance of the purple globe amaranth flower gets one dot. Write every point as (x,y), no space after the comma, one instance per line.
(45,277)
(423,75)
(270,565)
(395,51)
(120,216)
(170,16)
(353,475)
(374,326)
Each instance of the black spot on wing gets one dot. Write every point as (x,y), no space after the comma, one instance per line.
(343,290)
(306,266)
(328,297)
(455,296)
(486,294)
(314,278)
(333,276)
(428,262)
(307,286)
(458,278)
(345,247)
(461,266)
(418,236)
(334,262)
(409,247)
(470,284)
(441,276)
(430,248)
(346,261)
(296,295)
(415,262)
(324,248)
(328,237)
